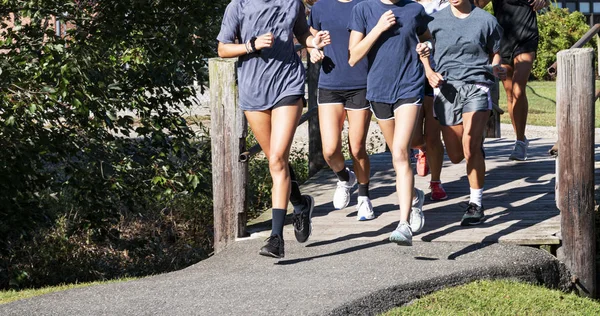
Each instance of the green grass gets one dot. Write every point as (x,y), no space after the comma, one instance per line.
(12,295)
(542,104)
(499,298)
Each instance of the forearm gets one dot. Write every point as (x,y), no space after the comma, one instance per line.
(496,59)
(359,48)
(426,64)
(232,50)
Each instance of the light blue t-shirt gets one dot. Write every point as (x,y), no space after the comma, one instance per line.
(462,47)
(336,73)
(395,71)
(272,73)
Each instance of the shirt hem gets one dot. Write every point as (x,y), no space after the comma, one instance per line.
(268,106)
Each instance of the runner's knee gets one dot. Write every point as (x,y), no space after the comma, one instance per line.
(277,164)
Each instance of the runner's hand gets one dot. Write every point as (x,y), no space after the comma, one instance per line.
(264,41)
(423,50)
(435,79)
(316,55)
(386,21)
(321,39)
(537,5)
(499,71)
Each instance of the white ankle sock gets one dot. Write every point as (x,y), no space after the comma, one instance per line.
(476,195)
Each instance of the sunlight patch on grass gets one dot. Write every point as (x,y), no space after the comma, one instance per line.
(542,104)
(502,297)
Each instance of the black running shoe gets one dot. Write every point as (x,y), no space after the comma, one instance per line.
(303,221)
(473,215)
(273,248)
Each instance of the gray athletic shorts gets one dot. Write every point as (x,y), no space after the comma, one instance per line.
(454,98)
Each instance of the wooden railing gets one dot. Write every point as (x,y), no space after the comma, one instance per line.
(230,155)
(575,114)
(575,98)
(552,69)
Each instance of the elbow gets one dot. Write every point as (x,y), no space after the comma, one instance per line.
(351,61)
(220,52)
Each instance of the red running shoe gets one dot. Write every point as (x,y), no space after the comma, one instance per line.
(422,167)
(437,191)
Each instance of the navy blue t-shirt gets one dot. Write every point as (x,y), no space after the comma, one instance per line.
(395,71)
(336,73)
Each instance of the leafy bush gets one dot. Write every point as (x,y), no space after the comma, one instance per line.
(92,136)
(559,29)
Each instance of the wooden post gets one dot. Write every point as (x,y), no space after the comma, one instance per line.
(575,120)
(316,161)
(228,140)
(493,124)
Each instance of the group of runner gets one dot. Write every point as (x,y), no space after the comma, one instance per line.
(422,68)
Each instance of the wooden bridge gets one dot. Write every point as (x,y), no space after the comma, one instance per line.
(522,199)
(519,198)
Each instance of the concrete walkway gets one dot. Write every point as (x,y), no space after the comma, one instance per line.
(349,277)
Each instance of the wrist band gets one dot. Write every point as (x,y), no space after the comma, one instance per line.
(314,43)
(253,43)
(247,45)
(428,44)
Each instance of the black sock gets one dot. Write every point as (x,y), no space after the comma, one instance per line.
(363,189)
(295,195)
(278,221)
(343,174)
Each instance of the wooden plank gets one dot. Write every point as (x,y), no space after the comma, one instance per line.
(575,98)
(519,197)
(228,138)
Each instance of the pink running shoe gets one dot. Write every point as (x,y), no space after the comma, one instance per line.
(437,191)
(422,167)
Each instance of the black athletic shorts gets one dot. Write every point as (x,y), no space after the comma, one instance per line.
(385,111)
(508,53)
(289,100)
(351,99)
(521,33)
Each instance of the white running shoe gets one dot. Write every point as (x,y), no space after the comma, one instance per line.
(416,218)
(341,197)
(364,209)
(402,235)
(520,151)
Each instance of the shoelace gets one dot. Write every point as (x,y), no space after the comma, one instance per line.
(273,241)
(298,221)
(344,184)
(435,185)
(420,156)
(470,208)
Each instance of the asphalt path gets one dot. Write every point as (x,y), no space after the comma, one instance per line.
(317,278)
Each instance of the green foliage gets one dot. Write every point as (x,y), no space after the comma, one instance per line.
(92,134)
(559,29)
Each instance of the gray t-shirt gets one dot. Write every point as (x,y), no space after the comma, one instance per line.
(273,73)
(463,46)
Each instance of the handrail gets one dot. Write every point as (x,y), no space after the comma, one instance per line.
(245,156)
(582,41)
